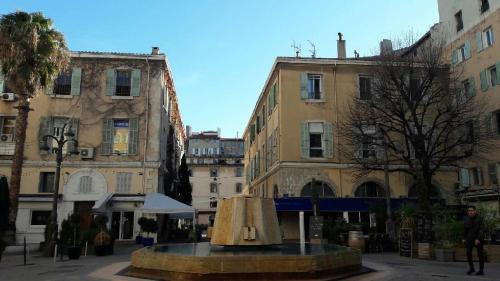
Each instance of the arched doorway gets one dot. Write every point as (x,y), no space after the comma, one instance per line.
(370,189)
(323,189)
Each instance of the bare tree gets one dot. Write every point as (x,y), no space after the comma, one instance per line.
(416,116)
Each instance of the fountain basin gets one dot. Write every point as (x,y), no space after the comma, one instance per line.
(202,261)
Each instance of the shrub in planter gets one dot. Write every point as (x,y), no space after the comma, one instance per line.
(142,222)
(448,233)
(150,226)
(101,243)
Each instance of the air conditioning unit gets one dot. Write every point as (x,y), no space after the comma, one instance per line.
(8,97)
(87,153)
(6,137)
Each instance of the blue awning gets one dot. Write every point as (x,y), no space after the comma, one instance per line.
(337,204)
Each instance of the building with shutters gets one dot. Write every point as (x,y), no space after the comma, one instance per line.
(292,144)
(124,112)
(216,166)
(472,31)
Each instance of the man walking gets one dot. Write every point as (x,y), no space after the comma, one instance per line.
(474,237)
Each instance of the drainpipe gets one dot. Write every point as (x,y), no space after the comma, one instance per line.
(147,132)
(337,123)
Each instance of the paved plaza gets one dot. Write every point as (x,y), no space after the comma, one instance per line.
(387,267)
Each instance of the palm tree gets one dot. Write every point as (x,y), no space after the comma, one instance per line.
(32,53)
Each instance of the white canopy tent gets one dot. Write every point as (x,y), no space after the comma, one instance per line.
(158,203)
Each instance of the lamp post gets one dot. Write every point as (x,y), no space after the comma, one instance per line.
(61,140)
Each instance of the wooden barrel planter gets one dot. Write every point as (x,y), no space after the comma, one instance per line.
(356,240)
(424,251)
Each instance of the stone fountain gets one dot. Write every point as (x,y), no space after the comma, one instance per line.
(246,244)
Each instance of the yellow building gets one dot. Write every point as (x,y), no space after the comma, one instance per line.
(472,30)
(123,111)
(292,142)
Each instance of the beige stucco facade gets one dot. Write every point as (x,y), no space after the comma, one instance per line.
(142,168)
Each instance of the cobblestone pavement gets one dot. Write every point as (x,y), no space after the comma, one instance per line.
(92,268)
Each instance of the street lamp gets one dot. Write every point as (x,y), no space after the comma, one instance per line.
(61,140)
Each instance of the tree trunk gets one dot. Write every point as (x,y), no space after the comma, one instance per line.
(18,158)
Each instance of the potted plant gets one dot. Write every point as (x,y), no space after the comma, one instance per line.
(75,248)
(150,227)
(142,222)
(102,240)
(3,245)
(448,233)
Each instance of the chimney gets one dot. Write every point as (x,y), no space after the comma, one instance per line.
(188,131)
(385,47)
(218,132)
(155,50)
(341,54)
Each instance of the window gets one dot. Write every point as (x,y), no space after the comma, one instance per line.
(121,136)
(315,139)
(470,131)
(123,82)
(213,173)
(322,188)
(497,117)
(368,148)
(213,202)
(85,184)
(485,6)
(40,217)
(370,189)
(239,187)
(46,183)
(8,128)
(493,75)
(461,53)
(213,187)
(314,87)
(487,37)
(62,85)
(467,90)
(365,88)
(493,173)
(476,175)
(123,182)
(415,88)
(238,171)
(458,20)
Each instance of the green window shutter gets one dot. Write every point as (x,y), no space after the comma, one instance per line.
(74,122)
(479,42)
(303,86)
(269,106)
(275,95)
(472,87)
(133,140)
(110,82)
(136,83)
(304,140)
(464,177)
(467,52)
(44,129)
(454,57)
(328,146)
(498,72)
(484,80)
(2,81)
(76,81)
(107,137)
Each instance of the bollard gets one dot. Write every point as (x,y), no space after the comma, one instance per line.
(55,253)
(86,245)
(24,250)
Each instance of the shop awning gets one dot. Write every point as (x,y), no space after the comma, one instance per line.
(100,205)
(158,203)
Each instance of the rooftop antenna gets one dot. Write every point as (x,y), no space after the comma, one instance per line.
(296,49)
(313,51)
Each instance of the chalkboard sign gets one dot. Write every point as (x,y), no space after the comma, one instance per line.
(316,227)
(424,229)
(405,242)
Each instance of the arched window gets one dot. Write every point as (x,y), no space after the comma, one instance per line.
(413,193)
(370,189)
(323,189)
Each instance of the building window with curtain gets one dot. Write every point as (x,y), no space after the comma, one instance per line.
(123,182)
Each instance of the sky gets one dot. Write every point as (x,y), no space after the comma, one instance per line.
(221,52)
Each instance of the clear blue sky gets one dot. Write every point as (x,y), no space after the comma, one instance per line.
(221,52)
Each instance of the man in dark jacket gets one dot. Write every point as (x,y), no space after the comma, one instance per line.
(474,237)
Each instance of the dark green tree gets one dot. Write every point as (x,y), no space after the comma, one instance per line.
(185,189)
